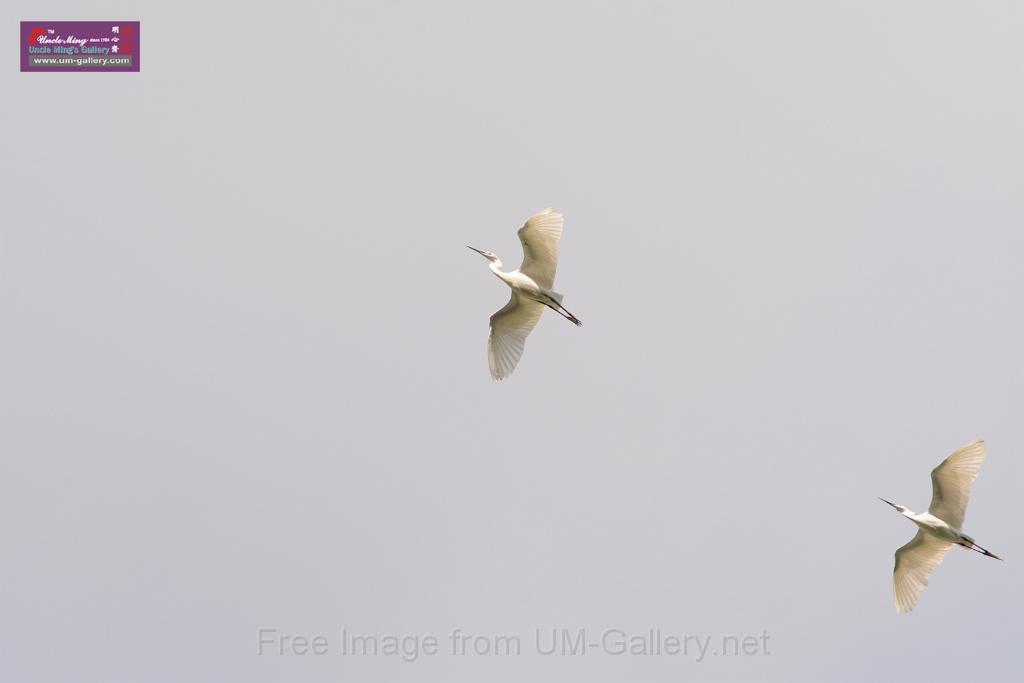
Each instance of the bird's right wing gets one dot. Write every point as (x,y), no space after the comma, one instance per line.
(509,329)
(540,235)
(914,562)
(951,483)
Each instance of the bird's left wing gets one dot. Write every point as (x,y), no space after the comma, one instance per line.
(540,235)
(509,328)
(951,483)
(914,562)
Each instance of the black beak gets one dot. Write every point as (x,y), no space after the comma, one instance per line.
(475,249)
(885,501)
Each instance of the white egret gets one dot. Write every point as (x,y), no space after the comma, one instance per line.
(939,528)
(531,291)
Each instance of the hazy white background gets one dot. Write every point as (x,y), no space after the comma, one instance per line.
(244,380)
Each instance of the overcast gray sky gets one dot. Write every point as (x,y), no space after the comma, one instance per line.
(244,380)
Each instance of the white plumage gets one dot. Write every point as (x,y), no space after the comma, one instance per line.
(939,528)
(532,289)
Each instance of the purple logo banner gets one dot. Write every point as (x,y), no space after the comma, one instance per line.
(79,46)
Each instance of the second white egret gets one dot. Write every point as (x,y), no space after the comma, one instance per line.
(939,528)
(531,288)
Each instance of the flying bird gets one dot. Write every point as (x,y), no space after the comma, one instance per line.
(939,528)
(531,291)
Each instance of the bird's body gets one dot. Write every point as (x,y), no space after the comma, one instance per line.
(524,285)
(939,528)
(933,526)
(531,287)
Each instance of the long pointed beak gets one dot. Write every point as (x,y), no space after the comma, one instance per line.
(475,249)
(885,501)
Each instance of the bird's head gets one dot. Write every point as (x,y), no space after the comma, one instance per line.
(899,508)
(489,255)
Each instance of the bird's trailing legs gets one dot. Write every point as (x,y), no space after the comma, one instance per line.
(562,311)
(978,549)
(569,316)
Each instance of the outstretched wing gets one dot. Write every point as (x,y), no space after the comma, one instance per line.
(914,562)
(509,329)
(540,235)
(951,483)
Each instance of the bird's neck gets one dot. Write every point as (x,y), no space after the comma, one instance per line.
(909,514)
(495,267)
